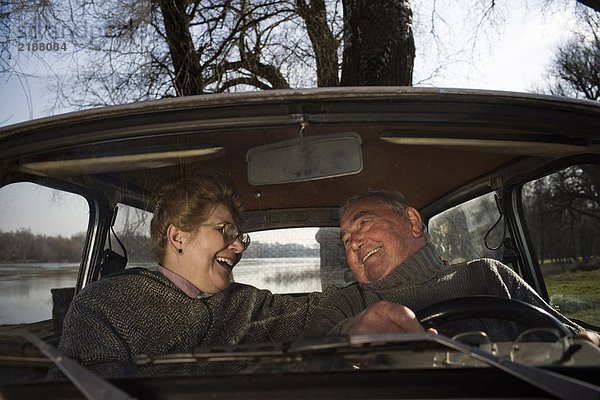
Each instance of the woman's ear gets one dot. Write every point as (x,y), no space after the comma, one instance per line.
(416,222)
(175,239)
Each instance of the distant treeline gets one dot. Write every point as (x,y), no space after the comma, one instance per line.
(24,246)
(138,249)
(263,250)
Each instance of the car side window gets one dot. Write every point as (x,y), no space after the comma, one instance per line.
(132,228)
(562,213)
(42,233)
(470,230)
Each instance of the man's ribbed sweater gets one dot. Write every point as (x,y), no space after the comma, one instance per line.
(423,279)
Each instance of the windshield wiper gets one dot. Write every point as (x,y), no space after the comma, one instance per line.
(250,351)
(91,385)
(218,353)
(560,386)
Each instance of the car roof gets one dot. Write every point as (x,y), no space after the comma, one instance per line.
(432,144)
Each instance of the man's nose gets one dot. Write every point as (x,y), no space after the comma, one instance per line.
(356,241)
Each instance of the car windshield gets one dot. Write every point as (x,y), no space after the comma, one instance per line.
(309,198)
(277,309)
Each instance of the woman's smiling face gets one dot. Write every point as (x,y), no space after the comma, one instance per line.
(208,260)
(378,239)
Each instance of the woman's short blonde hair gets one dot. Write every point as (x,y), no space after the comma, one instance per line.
(188,203)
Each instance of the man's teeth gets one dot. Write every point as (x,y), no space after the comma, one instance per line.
(370,253)
(225,261)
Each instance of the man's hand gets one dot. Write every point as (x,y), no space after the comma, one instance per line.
(589,335)
(384,317)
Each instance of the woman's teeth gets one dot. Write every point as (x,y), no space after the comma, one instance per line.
(225,262)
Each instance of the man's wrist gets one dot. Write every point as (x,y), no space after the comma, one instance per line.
(341,328)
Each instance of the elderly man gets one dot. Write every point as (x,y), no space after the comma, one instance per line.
(398,271)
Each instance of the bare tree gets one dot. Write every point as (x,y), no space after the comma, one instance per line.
(5,27)
(130,50)
(144,50)
(200,47)
(323,40)
(564,207)
(575,71)
(187,70)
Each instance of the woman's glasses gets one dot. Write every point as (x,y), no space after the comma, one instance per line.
(231,233)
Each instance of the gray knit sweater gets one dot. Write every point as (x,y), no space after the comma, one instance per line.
(115,319)
(423,279)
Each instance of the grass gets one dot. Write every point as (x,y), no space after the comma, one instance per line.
(584,283)
(577,294)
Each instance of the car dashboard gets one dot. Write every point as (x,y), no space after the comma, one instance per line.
(367,366)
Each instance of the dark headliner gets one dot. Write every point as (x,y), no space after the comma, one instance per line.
(424,173)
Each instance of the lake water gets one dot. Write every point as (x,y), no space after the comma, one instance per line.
(280,275)
(25,288)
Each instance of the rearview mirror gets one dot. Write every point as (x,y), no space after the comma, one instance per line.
(305,159)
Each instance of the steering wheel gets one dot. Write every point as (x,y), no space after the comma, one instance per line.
(493,307)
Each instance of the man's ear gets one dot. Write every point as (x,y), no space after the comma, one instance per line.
(416,222)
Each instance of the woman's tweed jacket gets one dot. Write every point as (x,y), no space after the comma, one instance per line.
(423,279)
(139,311)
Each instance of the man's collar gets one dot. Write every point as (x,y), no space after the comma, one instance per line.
(419,267)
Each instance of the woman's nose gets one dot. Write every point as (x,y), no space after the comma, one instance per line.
(237,246)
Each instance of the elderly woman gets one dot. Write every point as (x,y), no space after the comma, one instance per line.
(189,300)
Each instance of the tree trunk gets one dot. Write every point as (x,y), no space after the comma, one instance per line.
(379,48)
(186,62)
(323,42)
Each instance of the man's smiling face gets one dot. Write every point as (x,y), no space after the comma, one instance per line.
(377,239)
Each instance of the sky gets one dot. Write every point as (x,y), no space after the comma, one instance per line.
(24,205)
(510,55)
